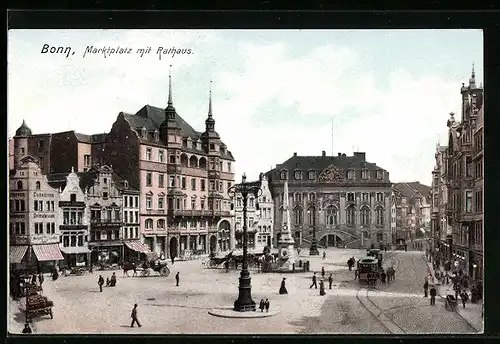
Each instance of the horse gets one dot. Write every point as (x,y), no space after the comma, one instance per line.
(127,266)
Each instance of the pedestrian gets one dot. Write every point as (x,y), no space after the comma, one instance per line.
(433,294)
(349,264)
(324,254)
(41,279)
(100,282)
(464,296)
(134,317)
(283,287)
(356,274)
(107,282)
(383,276)
(177,279)
(267,304)
(321,288)
(262,305)
(298,251)
(330,281)
(322,272)
(457,290)
(27,329)
(314,282)
(112,281)
(172,257)
(426,287)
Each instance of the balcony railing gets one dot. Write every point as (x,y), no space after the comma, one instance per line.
(106,222)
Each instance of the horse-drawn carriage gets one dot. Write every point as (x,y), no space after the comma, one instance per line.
(144,268)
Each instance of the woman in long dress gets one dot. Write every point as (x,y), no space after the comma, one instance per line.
(283,287)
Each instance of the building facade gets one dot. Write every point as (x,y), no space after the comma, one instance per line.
(413,210)
(260,215)
(346,198)
(182,174)
(465,177)
(33,217)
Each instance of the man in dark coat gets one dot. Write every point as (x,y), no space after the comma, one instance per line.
(322,272)
(177,279)
(314,283)
(433,294)
(330,281)
(134,317)
(100,282)
(262,305)
(41,278)
(267,304)
(426,287)
(464,296)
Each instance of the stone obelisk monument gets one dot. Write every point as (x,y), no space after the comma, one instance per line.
(286,243)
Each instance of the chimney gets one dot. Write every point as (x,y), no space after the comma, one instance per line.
(360,155)
(323,153)
(295,154)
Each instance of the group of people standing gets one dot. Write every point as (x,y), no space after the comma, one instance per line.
(110,282)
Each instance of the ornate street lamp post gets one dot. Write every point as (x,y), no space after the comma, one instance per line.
(27,280)
(313,250)
(244,303)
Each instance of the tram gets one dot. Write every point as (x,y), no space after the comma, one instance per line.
(368,270)
(377,254)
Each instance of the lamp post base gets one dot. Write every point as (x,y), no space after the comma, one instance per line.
(244,303)
(313,250)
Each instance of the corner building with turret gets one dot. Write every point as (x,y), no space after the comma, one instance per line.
(345,198)
(183,176)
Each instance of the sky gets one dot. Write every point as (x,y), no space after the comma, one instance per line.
(274,92)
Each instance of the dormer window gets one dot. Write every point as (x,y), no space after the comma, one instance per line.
(105,180)
(312,175)
(283,175)
(380,175)
(212,146)
(157,135)
(125,184)
(143,132)
(350,174)
(364,174)
(297,175)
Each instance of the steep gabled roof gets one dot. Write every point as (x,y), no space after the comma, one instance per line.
(412,189)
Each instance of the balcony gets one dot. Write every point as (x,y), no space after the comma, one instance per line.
(106,222)
(154,212)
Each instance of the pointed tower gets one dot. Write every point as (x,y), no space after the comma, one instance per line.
(472,80)
(21,144)
(286,242)
(170,130)
(210,138)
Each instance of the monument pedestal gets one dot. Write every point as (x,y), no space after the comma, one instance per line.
(287,255)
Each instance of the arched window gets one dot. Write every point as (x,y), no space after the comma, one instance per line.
(149,224)
(297,215)
(19,185)
(310,216)
(380,216)
(37,185)
(365,216)
(350,174)
(351,215)
(331,215)
(283,175)
(160,223)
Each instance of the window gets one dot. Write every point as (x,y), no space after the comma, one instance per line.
(171,181)
(380,174)
(238,202)
(283,175)
(47,228)
(229,167)
(220,166)
(193,203)
(331,216)
(212,185)
(365,216)
(250,202)
(136,202)
(19,185)
(297,214)
(172,158)
(161,202)
(202,186)
(193,184)
(149,179)
(80,240)
(160,223)
(52,228)
(183,183)
(22,151)
(380,197)
(105,180)
(380,216)
(73,240)
(468,201)
(136,217)
(148,154)
(298,175)
(364,174)
(72,198)
(157,135)
(202,204)
(212,146)
(86,160)
(350,174)
(350,197)
(148,224)
(65,241)
(149,202)
(161,178)
(351,215)
(41,144)
(103,235)
(160,155)
(125,201)
(312,175)
(365,196)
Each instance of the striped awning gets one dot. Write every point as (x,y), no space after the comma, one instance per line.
(137,246)
(47,252)
(17,253)
(75,249)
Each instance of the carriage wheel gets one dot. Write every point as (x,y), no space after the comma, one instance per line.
(79,272)
(165,271)
(145,273)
